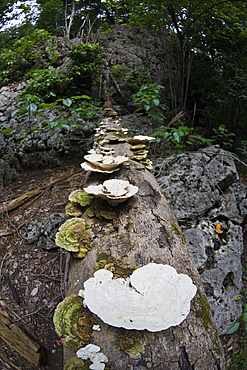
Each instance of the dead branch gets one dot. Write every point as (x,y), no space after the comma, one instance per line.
(177,117)
(19,201)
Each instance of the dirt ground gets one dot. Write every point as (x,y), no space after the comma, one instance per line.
(37,275)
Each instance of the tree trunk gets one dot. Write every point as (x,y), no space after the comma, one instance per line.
(145,230)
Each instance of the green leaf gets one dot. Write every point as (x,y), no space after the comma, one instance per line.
(176,136)
(65,126)
(32,108)
(245,317)
(67,102)
(47,105)
(15,112)
(234,327)
(156,102)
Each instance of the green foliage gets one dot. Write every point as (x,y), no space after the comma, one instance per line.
(51,17)
(223,137)
(148,97)
(28,108)
(239,356)
(24,54)
(137,77)
(66,109)
(85,70)
(46,83)
(243,150)
(180,139)
(87,110)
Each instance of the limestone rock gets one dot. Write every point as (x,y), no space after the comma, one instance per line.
(205,184)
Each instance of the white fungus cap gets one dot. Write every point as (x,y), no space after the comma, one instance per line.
(115,191)
(155,297)
(92,352)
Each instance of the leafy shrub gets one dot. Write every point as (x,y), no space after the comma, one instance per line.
(223,137)
(243,150)
(137,78)
(46,83)
(87,59)
(180,139)
(148,97)
(24,54)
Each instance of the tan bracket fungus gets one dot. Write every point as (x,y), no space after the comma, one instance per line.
(140,139)
(155,297)
(115,191)
(73,322)
(73,236)
(103,163)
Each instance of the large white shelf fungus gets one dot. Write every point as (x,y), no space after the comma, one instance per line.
(114,191)
(154,297)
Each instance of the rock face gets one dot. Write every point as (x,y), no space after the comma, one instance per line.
(202,191)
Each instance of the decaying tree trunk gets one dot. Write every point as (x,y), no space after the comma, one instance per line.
(145,230)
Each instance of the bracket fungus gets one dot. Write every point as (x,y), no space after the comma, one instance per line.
(140,139)
(73,236)
(103,163)
(73,322)
(115,191)
(73,210)
(101,210)
(155,297)
(92,352)
(79,196)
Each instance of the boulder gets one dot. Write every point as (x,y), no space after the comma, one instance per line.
(203,191)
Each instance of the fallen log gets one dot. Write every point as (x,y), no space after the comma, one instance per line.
(16,338)
(17,202)
(144,230)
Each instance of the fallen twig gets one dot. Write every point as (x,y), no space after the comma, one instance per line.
(17,202)
(4,257)
(12,289)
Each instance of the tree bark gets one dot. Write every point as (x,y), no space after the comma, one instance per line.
(147,231)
